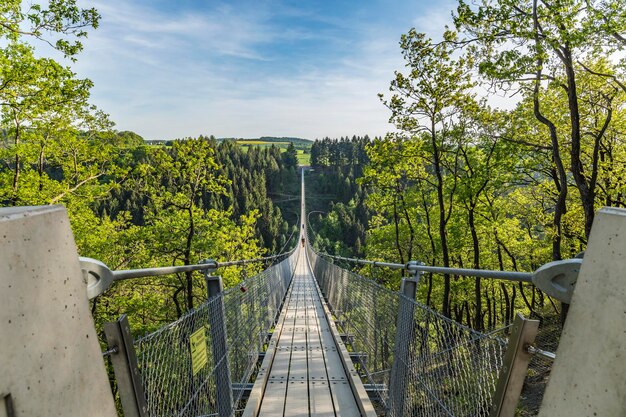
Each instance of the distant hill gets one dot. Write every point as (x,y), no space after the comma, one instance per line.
(295,141)
(302,145)
(273,139)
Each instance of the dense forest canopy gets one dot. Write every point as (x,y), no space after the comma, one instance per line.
(335,200)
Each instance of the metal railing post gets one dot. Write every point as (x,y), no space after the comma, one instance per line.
(219,347)
(404,334)
(513,372)
(124,360)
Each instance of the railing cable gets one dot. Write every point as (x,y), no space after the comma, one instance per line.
(417,267)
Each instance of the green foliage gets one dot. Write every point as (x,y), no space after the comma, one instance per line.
(464,185)
(552,51)
(59,23)
(290,157)
(332,189)
(130,205)
(129,139)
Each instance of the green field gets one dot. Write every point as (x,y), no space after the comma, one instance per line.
(304,156)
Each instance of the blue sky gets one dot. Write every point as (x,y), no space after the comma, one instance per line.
(170,69)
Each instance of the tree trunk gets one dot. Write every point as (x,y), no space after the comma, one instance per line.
(40,167)
(433,248)
(16,172)
(587,194)
(442,222)
(478,316)
(396,220)
(410,224)
(560,179)
(559,174)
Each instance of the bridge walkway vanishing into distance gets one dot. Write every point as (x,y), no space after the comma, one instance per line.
(306,337)
(307,370)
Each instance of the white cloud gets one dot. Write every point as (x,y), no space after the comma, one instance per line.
(167,75)
(434,19)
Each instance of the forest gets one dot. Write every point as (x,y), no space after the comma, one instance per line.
(462,181)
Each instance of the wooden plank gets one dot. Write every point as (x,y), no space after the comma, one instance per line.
(343,398)
(297,401)
(258,390)
(334,366)
(320,400)
(298,366)
(280,366)
(274,399)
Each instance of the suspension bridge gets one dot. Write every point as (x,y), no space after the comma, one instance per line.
(306,337)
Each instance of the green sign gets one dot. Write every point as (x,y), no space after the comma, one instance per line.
(197,343)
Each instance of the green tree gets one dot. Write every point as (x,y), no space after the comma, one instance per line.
(43,109)
(290,156)
(551,42)
(175,182)
(424,104)
(59,23)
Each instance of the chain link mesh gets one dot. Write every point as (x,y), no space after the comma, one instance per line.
(443,368)
(447,369)
(164,357)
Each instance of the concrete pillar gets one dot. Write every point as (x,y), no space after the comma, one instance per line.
(50,358)
(589,374)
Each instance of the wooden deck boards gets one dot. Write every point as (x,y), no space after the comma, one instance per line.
(306,376)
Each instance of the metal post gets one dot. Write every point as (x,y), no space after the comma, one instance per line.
(218,341)
(404,334)
(124,360)
(413,266)
(513,373)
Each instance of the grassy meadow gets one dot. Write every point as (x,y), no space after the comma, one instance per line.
(304,153)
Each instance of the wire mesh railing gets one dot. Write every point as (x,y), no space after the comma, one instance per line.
(184,369)
(415,361)
(172,386)
(419,362)
(367,311)
(449,369)
(250,312)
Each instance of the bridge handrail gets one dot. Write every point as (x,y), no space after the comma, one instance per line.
(386,325)
(124,274)
(416,267)
(100,277)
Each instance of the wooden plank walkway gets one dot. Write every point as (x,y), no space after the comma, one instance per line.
(307,369)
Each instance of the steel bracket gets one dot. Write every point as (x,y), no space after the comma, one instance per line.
(558,278)
(97,275)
